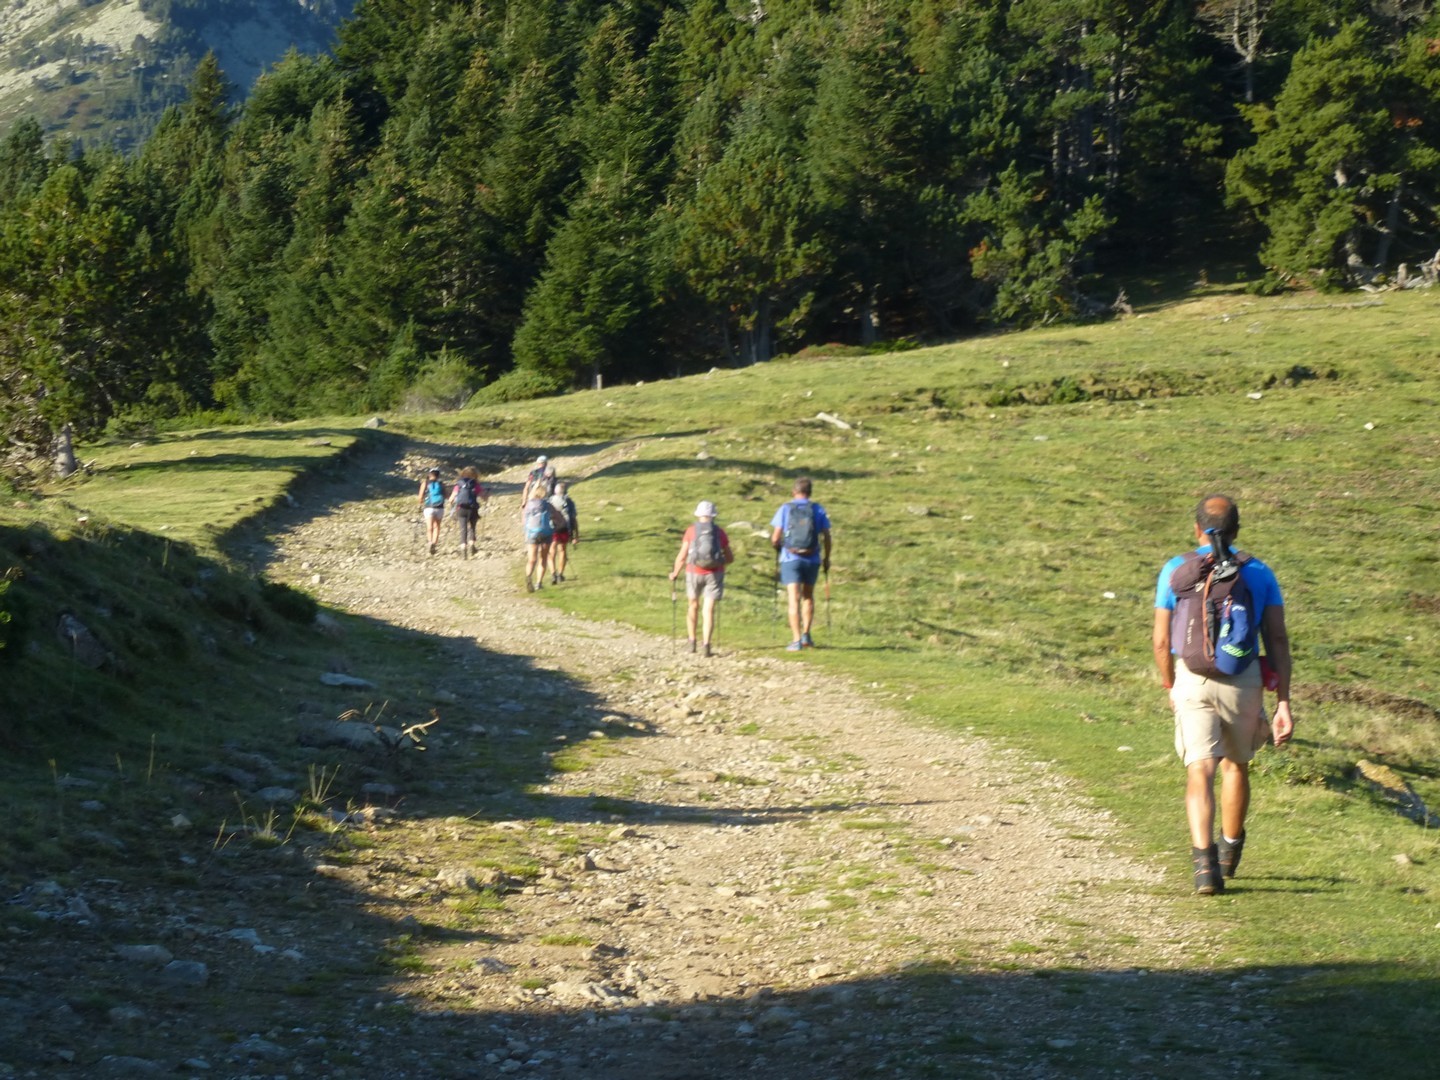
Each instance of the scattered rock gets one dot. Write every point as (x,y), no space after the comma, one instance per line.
(149,955)
(83,645)
(186,973)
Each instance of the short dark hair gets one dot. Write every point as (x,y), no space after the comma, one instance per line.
(1218,512)
(802,486)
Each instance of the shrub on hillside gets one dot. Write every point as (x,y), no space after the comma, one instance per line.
(289,603)
(443,384)
(522,384)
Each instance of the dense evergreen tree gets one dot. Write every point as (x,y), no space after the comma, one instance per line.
(582,320)
(79,321)
(582,188)
(1345,165)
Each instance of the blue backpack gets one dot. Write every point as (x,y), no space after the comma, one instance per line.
(434,493)
(1214,630)
(538,523)
(800,537)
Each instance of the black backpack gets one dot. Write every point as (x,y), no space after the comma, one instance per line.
(465,492)
(800,537)
(1214,630)
(705,553)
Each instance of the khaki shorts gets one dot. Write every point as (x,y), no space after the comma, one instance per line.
(698,585)
(1219,718)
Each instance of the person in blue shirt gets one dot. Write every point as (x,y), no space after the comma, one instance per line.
(1220,720)
(801,534)
(432,505)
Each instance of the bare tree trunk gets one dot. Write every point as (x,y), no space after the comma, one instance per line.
(869,320)
(65,463)
(1392,223)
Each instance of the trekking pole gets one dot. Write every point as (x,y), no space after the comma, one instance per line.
(827,601)
(775,592)
(674,617)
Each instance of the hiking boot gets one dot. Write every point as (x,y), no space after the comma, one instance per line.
(1229,855)
(562,577)
(1208,880)
(795,646)
(806,640)
(554,579)
(529,585)
(432,549)
(692,644)
(707,650)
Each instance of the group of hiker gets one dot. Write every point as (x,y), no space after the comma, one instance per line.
(551,526)
(800,535)
(1215,608)
(463,498)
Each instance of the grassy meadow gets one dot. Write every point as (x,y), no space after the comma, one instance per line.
(1001,509)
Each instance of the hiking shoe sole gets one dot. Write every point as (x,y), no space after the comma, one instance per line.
(794,646)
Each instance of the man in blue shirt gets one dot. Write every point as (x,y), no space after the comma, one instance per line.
(1220,720)
(802,537)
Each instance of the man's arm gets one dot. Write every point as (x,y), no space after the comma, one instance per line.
(680,556)
(1277,649)
(1160,643)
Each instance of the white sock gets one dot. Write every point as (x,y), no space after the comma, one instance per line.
(1229,841)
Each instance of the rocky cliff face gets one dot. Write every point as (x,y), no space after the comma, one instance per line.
(104,70)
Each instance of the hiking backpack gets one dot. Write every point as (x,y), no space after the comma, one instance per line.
(559,518)
(538,523)
(705,553)
(465,492)
(799,537)
(1214,630)
(434,493)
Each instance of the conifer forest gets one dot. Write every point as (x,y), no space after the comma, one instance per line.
(495,199)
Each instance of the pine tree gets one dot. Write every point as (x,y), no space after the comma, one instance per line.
(1330,171)
(585,314)
(864,146)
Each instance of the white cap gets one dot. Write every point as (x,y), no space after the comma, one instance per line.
(541,460)
(705,509)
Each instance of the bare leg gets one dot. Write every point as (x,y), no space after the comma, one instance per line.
(691,611)
(807,608)
(1234,797)
(792,597)
(709,619)
(1200,801)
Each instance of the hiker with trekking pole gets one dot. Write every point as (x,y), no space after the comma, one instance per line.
(801,536)
(703,556)
(567,531)
(432,506)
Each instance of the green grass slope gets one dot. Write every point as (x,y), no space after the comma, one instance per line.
(1001,509)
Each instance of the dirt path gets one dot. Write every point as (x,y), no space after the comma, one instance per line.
(616,860)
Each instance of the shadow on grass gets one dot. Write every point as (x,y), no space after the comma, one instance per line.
(621,469)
